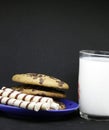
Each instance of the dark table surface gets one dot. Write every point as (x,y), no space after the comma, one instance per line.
(72,121)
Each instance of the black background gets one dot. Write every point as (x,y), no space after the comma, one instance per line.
(46,37)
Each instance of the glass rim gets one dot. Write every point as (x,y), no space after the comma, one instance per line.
(99,53)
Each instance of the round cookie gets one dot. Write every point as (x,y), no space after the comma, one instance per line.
(41,80)
(33,91)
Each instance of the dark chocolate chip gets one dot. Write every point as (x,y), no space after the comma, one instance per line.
(39,75)
(32,74)
(60,83)
(33,90)
(35,75)
(41,81)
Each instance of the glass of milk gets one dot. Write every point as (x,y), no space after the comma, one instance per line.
(93,84)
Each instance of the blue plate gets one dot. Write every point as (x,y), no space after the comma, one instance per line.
(13,111)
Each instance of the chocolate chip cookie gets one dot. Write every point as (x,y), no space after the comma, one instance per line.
(41,80)
(40,84)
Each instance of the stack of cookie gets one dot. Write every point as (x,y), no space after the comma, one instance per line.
(35,92)
(40,84)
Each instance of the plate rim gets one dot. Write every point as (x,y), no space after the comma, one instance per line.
(8,109)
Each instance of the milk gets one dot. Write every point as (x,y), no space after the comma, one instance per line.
(94,85)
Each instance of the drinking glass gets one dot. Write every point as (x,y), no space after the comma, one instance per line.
(93,84)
